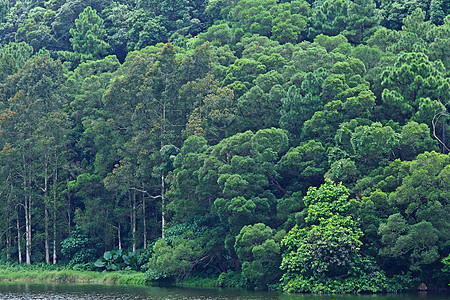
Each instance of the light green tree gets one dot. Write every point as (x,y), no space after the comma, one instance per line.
(326,256)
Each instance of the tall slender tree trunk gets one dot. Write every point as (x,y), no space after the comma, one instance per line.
(163,219)
(163,132)
(27,209)
(132,199)
(28,230)
(8,230)
(443,137)
(8,240)
(47,245)
(54,215)
(134,221)
(69,218)
(46,217)
(19,248)
(119,237)
(144,221)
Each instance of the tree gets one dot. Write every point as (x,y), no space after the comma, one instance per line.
(330,18)
(92,206)
(144,29)
(259,254)
(326,255)
(363,20)
(64,20)
(343,170)
(216,117)
(259,109)
(33,94)
(394,12)
(412,213)
(243,71)
(88,36)
(299,105)
(20,52)
(290,24)
(371,144)
(254,15)
(439,44)
(173,260)
(51,142)
(4,7)
(411,78)
(415,139)
(190,196)
(303,166)
(414,244)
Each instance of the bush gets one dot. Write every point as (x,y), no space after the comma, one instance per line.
(78,248)
(115,260)
(232,279)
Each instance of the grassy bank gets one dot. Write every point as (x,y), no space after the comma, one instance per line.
(43,274)
(62,274)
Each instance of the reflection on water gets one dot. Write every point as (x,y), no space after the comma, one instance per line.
(119,292)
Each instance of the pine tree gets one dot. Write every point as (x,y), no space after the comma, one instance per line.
(89,34)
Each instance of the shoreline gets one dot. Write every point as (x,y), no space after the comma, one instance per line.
(73,276)
(40,274)
(37,274)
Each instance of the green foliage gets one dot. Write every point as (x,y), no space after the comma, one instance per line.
(4,7)
(375,143)
(258,252)
(330,18)
(343,170)
(415,139)
(285,22)
(115,260)
(20,52)
(233,279)
(325,257)
(173,260)
(418,242)
(304,165)
(411,78)
(78,248)
(446,262)
(89,34)
(322,119)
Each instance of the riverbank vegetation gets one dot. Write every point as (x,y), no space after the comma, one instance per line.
(62,274)
(294,145)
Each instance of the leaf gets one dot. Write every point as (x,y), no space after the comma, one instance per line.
(99,263)
(107,256)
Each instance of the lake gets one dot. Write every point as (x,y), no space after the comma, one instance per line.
(118,292)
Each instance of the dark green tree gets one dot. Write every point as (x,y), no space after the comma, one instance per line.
(88,36)
(259,253)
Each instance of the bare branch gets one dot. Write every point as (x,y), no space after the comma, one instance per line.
(436,117)
(145,192)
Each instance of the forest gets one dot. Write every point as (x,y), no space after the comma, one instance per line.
(300,145)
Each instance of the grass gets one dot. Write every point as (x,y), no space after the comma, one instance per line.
(59,274)
(62,274)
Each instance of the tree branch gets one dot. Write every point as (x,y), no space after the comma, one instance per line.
(435,120)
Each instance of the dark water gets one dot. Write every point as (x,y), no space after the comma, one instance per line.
(119,292)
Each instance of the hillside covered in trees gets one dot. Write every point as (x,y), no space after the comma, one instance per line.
(295,145)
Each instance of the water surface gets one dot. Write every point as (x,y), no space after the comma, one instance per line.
(121,292)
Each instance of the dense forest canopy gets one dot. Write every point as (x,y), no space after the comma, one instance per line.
(297,145)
